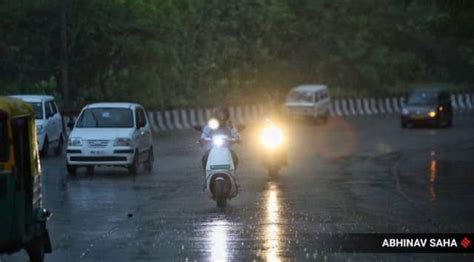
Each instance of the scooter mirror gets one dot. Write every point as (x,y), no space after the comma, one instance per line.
(70,125)
(198,128)
(240,128)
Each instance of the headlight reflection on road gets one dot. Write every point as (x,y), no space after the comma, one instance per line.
(218,241)
(432,180)
(272,230)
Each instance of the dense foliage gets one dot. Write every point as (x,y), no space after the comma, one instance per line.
(165,53)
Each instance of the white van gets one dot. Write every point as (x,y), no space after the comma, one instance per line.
(49,123)
(110,134)
(308,101)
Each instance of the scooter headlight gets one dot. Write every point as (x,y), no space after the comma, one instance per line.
(218,141)
(272,137)
(213,124)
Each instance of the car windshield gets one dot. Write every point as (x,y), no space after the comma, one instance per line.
(38,108)
(299,96)
(3,139)
(106,117)
(423,98)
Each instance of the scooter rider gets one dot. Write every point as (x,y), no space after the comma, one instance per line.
(225,126)
(276,116)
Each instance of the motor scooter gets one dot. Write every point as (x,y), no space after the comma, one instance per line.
(274,150)
(220,167)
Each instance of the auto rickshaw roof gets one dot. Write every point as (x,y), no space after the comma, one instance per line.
(14,107)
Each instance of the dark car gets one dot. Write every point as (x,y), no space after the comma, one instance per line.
(432,107)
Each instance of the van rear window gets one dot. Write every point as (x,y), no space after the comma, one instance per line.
(3,140)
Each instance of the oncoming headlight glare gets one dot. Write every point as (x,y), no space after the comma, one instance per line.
(218,141)
(213,124)
(272,137)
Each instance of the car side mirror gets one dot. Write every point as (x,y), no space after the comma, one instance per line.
(70,125)
(140,125)
(198,128)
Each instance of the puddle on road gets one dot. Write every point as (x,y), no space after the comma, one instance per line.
(218,240)
(432,181)
(224,237)
(272,228)
(448,179)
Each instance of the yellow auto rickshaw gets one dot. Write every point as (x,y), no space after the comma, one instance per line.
(22,218)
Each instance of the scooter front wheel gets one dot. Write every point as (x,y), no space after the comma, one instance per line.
(273,171)
(221,199)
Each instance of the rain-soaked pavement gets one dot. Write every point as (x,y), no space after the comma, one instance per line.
(353,175)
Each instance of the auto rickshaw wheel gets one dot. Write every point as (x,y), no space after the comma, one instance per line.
(35,250)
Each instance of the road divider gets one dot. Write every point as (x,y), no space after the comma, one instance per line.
(178,119)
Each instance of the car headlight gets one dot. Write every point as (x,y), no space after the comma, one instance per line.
(432,114)
(75,141)
(218,141)
(405,112)
(39,129)
(271,137)
(123,141)
(213,124)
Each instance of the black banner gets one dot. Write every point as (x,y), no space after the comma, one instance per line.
(395,243)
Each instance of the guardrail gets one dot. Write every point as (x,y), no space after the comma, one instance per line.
(178,119)
(186,118)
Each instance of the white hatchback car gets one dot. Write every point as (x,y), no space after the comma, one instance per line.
(49,123)
(110,134)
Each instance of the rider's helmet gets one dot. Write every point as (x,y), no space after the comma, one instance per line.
(222,114)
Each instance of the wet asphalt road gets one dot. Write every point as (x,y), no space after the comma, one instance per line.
(352,175)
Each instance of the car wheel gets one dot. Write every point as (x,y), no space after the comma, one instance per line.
(149,162)
(71,170)
(449,123)
(133,167)
(59,150)
(90,170)
(324,118)
(45,150)
(35,250)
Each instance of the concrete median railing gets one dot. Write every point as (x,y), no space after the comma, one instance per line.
(168,120)
(186,118)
